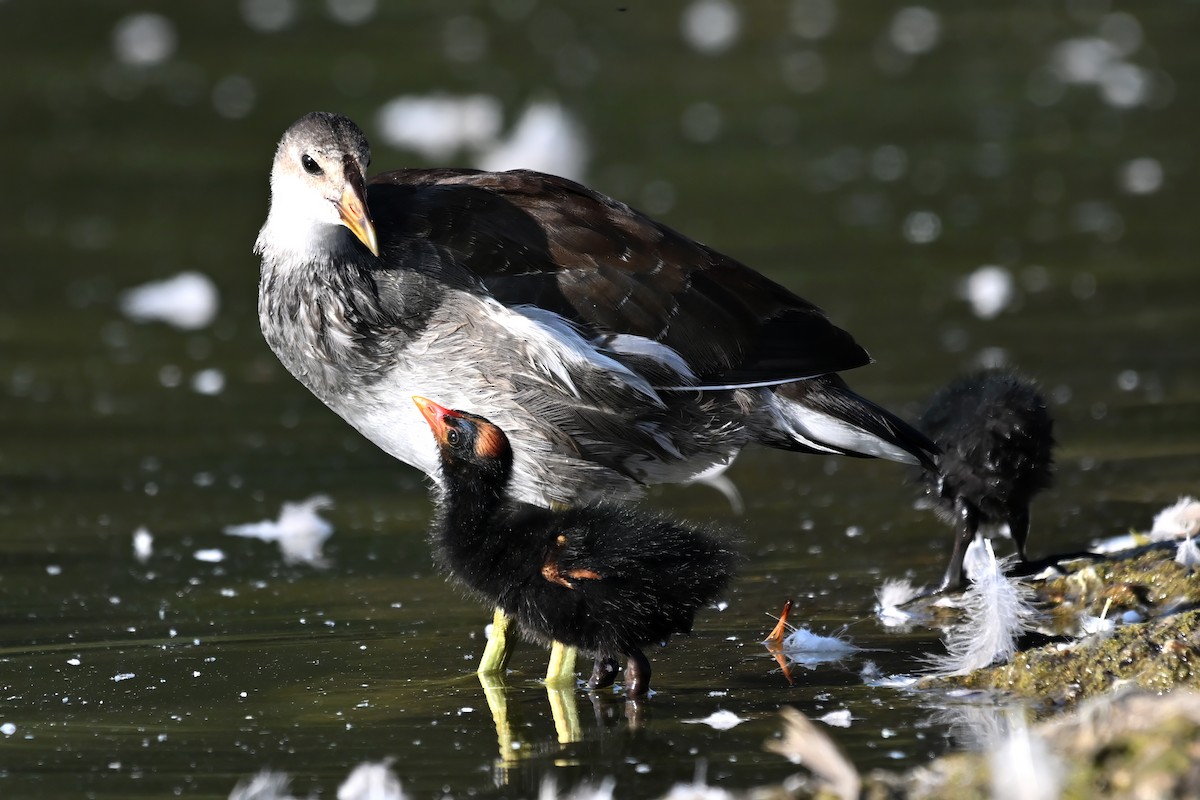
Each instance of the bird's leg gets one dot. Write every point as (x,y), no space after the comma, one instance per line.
(560,672)
(499,648)
(603,673)
(637,673)
(1018,526)
(967,523)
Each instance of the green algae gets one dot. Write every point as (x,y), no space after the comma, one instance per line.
(1119,710)
(1146,580)
(1158,654)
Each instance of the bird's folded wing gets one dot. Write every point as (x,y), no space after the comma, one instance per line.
(541,240)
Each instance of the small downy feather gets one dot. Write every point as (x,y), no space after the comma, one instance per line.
(805,647)
(372,780)
(889,598)
(997,610)
(1187,555)
(1176,521)
(265,785)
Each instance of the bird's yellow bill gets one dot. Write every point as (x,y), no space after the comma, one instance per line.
(353,212)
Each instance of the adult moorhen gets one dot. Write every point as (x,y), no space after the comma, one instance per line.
(613,351)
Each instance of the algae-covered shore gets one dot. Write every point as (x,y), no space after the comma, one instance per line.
(1157,653)
(1110,696)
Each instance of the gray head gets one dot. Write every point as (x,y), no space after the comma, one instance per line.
(316,186)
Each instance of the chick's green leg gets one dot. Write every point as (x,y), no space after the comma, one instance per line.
(499,646)
(560,672)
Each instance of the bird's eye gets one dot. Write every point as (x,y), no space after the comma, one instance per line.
(310,164)
(452,437)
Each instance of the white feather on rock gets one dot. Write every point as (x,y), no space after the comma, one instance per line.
(996,611)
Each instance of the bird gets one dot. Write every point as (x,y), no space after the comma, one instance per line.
(606,579)
(996,437)
(614,351)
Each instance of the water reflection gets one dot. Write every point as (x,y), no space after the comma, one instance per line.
(515,738)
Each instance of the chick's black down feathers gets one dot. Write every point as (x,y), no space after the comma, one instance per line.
(997,441)
(605,579)
(600,578)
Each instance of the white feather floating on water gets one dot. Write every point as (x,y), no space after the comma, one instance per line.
(266,785)
(209,555)
(719,720)
(837,719)
(888,599)
(188,301)
(371,780)
(996,610)
(299,530)
(802,646)
(697,791)
(872,675)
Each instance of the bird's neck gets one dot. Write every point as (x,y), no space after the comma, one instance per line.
(468,507)
(471,496)
(287,245)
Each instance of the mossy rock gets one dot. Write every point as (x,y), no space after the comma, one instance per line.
(1159,654)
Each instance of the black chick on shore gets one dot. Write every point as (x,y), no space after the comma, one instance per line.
(997,441)
(607,580)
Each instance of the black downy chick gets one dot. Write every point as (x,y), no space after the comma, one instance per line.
(605,579)
(997,442)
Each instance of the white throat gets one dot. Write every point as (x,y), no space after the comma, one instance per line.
(301,227)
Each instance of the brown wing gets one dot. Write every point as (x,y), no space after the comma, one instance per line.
(541,240)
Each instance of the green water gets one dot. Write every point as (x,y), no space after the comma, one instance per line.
(180,677)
